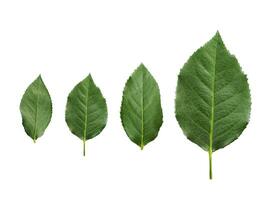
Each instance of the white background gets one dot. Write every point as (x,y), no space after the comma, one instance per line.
(66,40)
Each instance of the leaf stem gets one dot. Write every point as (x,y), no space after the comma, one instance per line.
(141,145)
(84,147)
(210,163)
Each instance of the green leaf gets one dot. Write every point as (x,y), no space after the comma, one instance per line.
(36,109)
(141,112)
(86,110)
(213,99)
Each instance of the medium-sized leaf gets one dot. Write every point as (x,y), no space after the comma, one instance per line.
(86,110)
(213,99)
(36,109)
(141,112)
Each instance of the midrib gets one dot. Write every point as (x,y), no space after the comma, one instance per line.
(213,103)
(86,116)
(35,119)
(212,115)
(142,113)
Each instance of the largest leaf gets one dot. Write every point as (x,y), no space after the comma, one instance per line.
(86,111)
(213,99)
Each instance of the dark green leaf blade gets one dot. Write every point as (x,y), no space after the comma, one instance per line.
(213,99)
(86,110)
(36,109)
(141,112)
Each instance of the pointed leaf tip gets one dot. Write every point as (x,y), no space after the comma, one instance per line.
(218,37)
(39,77)
(88,76)
(141,66)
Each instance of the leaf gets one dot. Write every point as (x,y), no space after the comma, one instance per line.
(213,99)
(141,112)
(86,110)
(36,109)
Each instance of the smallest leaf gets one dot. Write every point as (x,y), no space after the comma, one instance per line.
(36,109)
